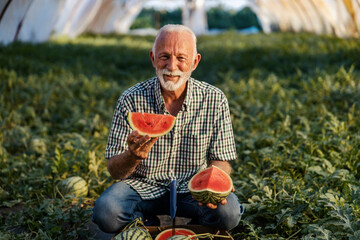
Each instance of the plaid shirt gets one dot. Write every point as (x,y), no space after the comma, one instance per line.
(202,133)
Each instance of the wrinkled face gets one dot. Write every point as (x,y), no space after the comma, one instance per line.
(174,59)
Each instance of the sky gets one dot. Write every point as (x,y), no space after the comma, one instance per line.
(173,4)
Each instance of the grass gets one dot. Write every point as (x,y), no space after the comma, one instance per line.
(294,101)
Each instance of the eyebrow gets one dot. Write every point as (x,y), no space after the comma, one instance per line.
(178,55)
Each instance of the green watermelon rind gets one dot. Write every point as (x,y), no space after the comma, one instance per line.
(134,233)
(150,134)
(207,195)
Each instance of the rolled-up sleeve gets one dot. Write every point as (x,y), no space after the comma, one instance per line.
(222,144)
(119,131)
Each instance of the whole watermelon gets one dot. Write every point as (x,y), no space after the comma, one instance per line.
(137,233)
(74,186)
(133,231)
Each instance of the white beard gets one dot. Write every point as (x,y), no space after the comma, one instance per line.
(169,85)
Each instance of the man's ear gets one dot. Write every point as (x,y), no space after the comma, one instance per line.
(196,61)
(152,58)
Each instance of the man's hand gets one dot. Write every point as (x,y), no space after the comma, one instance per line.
(214,206)
(140,146)
(122,165)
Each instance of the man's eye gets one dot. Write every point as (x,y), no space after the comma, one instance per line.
(163,57)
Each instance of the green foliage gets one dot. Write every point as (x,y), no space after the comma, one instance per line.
(221,18)
(294,102)
(217,17)
(49,219)
(145,19)
(245,18)
(152,18)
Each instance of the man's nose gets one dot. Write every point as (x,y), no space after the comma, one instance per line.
(172,64)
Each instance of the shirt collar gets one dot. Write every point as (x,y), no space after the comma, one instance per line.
(187,101)
(160,100)
(158,97)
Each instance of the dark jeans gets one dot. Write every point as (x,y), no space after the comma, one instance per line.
(120,204)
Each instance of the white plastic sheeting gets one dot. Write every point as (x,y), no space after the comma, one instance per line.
(339,17)
(81,15)
(38,20)
(12,19)
(194,16)
(115,16)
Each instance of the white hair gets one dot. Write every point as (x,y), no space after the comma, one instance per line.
(175,28)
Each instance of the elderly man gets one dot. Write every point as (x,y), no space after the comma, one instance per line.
(202,137)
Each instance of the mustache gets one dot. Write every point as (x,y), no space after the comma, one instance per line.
(170,73)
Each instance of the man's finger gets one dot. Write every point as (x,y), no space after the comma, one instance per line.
(209,205)
(137,139)
(132,135)
(152,141)
(212,206)
(141,140)
(145,144)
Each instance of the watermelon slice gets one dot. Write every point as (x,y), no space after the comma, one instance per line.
(210,185)
(169,232)
(154,125)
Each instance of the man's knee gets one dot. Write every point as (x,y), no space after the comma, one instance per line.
(231,212)
(230,219)
(225,216)
(108,215)
(113,211)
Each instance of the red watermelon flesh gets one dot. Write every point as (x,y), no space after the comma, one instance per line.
(169,232)
(154,125)
(212,178)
